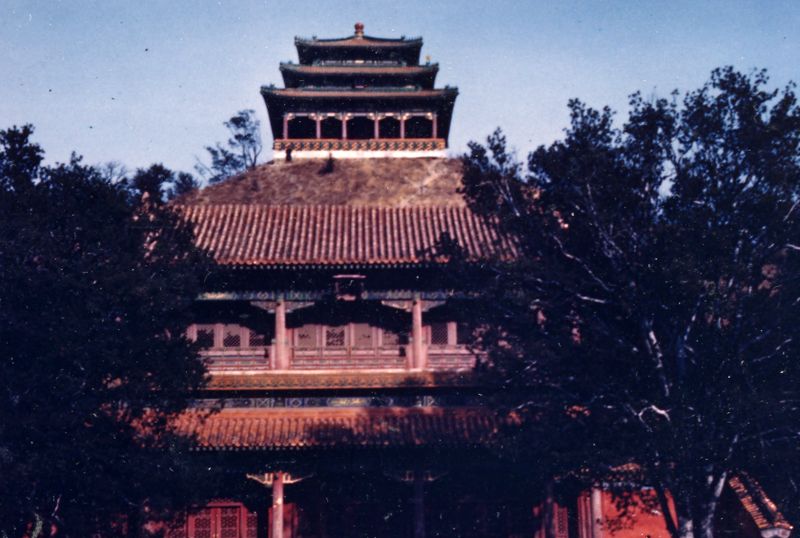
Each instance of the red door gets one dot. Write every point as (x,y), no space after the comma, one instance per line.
(222,521)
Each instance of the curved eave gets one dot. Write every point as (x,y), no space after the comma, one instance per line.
(312,265)
(359,69)
(318,94)
(298,76)
(356,41)
(357,48)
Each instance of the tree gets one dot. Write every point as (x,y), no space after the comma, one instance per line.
(152,181)
(242,153)
(654,308)
(95,293)
(183,184)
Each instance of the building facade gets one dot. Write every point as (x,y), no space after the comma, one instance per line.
(347,401)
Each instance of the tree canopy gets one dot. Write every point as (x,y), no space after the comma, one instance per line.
(652,317)
(244,147)
(95,295)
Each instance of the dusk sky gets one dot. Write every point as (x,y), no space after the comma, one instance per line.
(144,82)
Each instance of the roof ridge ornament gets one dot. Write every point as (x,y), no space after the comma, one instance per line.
(359,30)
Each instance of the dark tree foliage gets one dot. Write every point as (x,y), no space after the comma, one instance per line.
(95,290)
(152,181)
(183,184)
(242,152)
(653,315)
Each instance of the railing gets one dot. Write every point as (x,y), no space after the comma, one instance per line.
(228,359)
(347,358)
(390,144)
(440,358)
(450,357)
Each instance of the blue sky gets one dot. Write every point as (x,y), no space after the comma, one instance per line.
(141,82)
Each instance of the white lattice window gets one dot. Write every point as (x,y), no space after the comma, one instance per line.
(336,336)
(439,334)
(204,335)
(226,336)
(362,335)
(348,346)
(357,335)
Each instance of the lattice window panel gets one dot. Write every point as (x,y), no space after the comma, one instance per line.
(258,339)
(362,335)
(232,336)
(229,522)
(335,336)
(561,522)
(306,336)
(205,335)
(438,334)
(203,524)
(390,338)
(252,525)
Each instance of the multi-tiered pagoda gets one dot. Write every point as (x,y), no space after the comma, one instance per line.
(348,401)
(359,96)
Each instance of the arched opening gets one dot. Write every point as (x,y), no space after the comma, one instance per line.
(302,127)
(389,128)
(360,128)
(331,128)
(419,127)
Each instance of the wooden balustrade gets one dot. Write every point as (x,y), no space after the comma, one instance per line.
(348,358)
(445,357)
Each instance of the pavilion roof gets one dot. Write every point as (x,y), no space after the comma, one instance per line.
(365,68)
(358,47)
(276,429)
(360,41)
(265,235)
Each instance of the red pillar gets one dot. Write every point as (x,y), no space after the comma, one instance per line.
(435,121)
(285,127)
(277,505)
(377,128)
(416,334)
(597,512)
(281,351)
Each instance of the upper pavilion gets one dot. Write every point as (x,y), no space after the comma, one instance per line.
(359,96)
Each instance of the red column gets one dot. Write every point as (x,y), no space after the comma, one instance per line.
(277,505)
(377,128)
(597,512)
(416,334)
(319,127)
(281,351)
(344,128)
(435,126)
(402,127)
(285,127)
